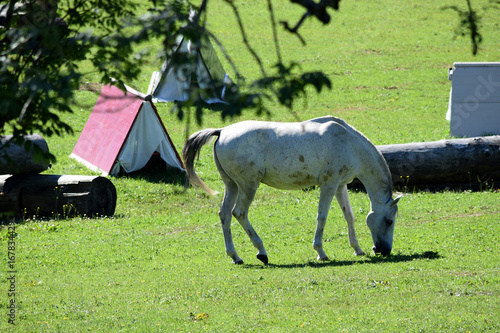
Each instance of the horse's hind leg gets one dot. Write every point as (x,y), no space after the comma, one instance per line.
(226,209)
(343,200)
(225,215)
(245,198)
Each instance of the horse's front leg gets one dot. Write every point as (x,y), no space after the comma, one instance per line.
(343,199)
(225,214)
(325,199)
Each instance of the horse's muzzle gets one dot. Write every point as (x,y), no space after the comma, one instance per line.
(382,249)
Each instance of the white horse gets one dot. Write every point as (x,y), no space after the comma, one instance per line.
(323,151)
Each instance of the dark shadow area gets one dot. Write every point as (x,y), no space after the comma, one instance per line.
(158,171)
(395,258)
(477,186)
(435,188)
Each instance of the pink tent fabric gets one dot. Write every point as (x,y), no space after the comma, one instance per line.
(123,130)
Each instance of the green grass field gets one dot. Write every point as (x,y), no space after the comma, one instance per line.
(159,264)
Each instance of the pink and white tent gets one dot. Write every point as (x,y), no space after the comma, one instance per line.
(123,131)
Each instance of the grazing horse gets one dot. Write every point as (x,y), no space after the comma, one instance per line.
(324,151)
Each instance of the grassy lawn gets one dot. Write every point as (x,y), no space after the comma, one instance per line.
(159,264)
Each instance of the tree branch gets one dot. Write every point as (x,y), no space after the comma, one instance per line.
(475,36)
(275,33)
(312,8)
(244,35)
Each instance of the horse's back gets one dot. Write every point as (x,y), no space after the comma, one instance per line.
(271,138)
(285,155)
(327,119)
(277,130)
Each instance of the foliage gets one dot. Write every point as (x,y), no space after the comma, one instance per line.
(171,20)
(42,44)
(319,10)
(40,51)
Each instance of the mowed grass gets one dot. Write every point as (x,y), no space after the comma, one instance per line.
(159,264)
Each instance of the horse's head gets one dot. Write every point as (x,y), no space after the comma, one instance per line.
(381,222)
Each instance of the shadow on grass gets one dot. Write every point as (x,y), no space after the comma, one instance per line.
(395,258)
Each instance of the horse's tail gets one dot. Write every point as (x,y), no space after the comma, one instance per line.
(192,149)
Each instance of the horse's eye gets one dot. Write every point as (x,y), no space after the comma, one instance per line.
(388,221)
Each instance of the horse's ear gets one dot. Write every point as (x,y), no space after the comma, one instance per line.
(395,201)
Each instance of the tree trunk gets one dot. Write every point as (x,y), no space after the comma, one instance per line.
(15,159)
(458,161)
(56,196)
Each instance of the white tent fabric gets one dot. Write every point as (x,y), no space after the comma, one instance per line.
(146,136)
(173,83)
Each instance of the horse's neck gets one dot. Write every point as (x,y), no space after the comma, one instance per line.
(379,193)
(376,177)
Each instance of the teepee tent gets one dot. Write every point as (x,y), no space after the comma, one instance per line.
(123,132)
(175,81)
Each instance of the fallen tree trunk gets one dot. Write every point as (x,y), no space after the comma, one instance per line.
(457,161)
(56,196)
(15,159)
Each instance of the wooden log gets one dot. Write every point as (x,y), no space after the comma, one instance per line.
(57,196)
(457,161)
(15,159)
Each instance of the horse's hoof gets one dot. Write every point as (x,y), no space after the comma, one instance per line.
(361,253)
(263,258)
(238,262)
(325,258)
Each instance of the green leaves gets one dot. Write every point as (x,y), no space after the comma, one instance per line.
(287,86)
(40,48)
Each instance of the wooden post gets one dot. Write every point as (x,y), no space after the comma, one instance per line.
(54,195)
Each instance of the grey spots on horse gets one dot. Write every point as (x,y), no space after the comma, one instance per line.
(301,158)
(301,179)
(327,176)
(343,170)
(297,174)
